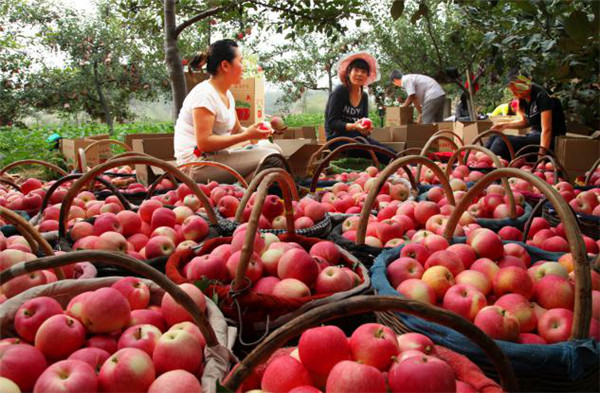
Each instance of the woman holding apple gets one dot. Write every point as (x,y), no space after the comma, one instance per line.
(347,111)
(207,127)
(536,109)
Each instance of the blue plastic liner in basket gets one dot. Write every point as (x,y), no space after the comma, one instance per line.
(572,360)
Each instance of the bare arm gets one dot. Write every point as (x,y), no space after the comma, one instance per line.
(520,123)
(546,137)
(207,141)
(409,100)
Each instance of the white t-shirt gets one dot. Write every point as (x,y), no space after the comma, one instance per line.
(202,95)
(423,86)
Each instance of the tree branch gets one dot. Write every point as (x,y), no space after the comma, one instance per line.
(203,15)
(304,15)
(437,49)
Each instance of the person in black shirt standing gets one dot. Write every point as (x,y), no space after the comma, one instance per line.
(348,103)
(543,113)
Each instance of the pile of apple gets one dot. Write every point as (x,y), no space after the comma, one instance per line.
(307,212)
(543,236)
(16,249)
(462,172)
(30,197)
(277,268)
(399,221)
(478,159)
(372,359)
(584,202)
(595,178)
(153,231)
(494,285)
(493,203)
(108,340)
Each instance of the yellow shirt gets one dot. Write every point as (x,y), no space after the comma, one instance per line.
(501,110)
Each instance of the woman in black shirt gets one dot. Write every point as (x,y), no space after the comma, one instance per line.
(544,114)
(348,103)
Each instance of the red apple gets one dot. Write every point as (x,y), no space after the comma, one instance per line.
(521,309)
(105,310)
(71,332)
(22,364)
(349,376)
(285,373)
(555,325)
(498,323)
(135,291)
(374,345)
(67,376)
(324,339)
(128,370)
(180,381)
(33,313)
(414,375)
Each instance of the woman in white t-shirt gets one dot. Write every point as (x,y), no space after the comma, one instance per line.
(207,128)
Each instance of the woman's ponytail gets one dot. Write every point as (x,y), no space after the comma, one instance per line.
(198,61)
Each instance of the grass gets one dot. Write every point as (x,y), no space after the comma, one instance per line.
(30,143)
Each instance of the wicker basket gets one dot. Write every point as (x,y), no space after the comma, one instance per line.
(213,326)
(257,313)
(64,241)
(567,366)
(363,304)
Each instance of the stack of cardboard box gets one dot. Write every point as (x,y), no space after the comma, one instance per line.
(69,148)
(155,145)
(249,98)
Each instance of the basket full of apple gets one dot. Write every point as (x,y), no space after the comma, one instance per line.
(372,359)
(262,280)
(113,334)
(538,305)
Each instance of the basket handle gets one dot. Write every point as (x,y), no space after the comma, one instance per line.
(511,197)
(588,178)
(10,183)
(430,142)
(381,179)
(75,176)
(68,201)
(33,237)
(252,229)
(451,134)
(411,151)
(336,152)
(259,167)
(479,138)
(126,262)
(583,300)
(219,165)
(557,167)
(547,151)
(255,183)
(317,154)
(363,304)
(48,165)
(84,151)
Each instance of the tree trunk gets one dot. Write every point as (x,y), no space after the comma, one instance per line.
(471,104)
(107,113)
(330,80)
(173,59)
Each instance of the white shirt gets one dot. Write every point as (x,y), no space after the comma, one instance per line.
(202,95)
(423,86)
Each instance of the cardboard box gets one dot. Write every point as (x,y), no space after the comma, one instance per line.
(382,134)
(249,98)
(130,137)
(578,153)
(398,116)
(298,152)
(578,128)
(161,148)
(298,133)
(413,132)
(469,130)
(193,78)
(69,149)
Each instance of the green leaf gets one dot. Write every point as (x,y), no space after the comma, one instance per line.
(397,9)
(526,6)
(578,26)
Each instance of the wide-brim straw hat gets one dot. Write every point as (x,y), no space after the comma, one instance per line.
(346,60)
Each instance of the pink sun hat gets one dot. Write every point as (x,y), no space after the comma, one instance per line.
(346,60)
